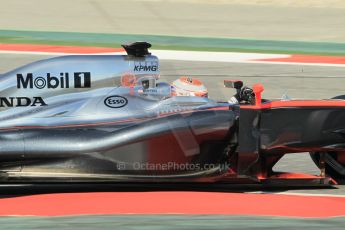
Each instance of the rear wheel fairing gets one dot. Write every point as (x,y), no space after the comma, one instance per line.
(266,134)
(302,129)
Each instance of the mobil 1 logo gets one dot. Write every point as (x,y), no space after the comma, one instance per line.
(82,80)
(50,81)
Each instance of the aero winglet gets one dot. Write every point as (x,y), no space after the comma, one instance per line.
(137,49)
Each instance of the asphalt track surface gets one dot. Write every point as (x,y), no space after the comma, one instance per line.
(169,222)
(296,81)
(307,20)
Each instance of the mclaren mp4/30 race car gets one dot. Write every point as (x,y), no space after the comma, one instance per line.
(106,118)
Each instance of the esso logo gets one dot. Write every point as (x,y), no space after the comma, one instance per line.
(116,101)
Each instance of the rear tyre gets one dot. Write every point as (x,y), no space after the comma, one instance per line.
(330,170)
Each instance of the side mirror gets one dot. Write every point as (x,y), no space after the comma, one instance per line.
(235,84)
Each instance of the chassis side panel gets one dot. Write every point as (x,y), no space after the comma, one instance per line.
(173,147)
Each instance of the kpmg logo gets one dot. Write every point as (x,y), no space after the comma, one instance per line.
(29,81)
(146,66)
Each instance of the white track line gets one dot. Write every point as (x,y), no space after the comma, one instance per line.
(213,56)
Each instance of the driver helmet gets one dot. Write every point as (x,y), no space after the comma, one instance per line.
(188,86)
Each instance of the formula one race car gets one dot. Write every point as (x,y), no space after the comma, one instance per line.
(106,118)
